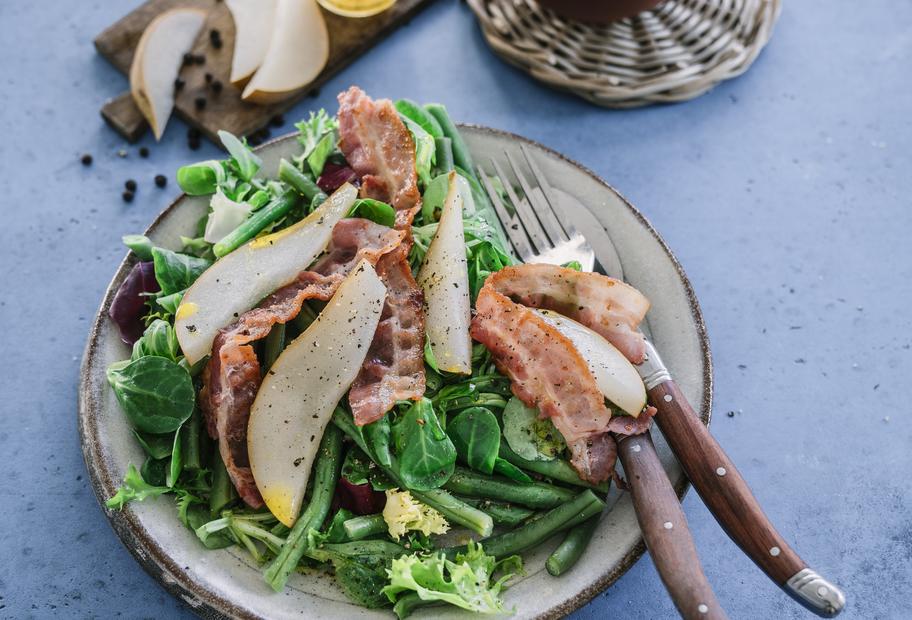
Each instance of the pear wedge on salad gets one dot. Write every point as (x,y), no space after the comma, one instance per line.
(444,278)
(616,377)
(303,387)
(238,281)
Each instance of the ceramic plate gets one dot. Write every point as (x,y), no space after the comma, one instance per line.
(228,583)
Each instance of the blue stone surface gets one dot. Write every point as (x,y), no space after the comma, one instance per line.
(786,194)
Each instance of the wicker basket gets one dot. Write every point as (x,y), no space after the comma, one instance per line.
(677,51)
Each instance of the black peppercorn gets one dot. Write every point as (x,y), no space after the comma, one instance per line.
(216,87)
(161,180)
(143,152)
(127,196)
(178,84)
(130,185)
(208,78)
(86,159)
(199,59)
(217,44)
(193,133)
(188,59)
(199,103)
(277,121)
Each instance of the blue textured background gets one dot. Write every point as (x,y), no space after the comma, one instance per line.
(785,193)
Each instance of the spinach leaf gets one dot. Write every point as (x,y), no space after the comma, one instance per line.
(202,178)
(169,303)
(177,462)
(243,160)
(140,245)
(175,272)
(156,446)
(160,340)
(335,533)
(317,158)
(476,435)
(426,454)
(155,393)
(379,439)
(374,210)
(356,466)
(425,150)
(153,471)
(197,517)
(134,489)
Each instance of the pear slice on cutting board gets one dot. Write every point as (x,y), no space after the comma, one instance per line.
(298,51)
(157,63)
(254,21)
(302,388)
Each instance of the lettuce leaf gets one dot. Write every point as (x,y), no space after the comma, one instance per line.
(465,583)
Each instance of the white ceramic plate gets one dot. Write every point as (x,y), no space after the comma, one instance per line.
(227,583)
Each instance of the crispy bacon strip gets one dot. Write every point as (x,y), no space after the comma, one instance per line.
(380,149)
(232,376)
(394,367)
(611,307)
(545,369)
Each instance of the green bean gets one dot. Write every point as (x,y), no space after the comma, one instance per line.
(223,490)
(358,549)
(366,526)
(305,317)
(558,469)
(325,476)
(190,441)
(407,603)
(451,508)
(252,226)
(305,186)
(410,109)
(534,495)
(275,342)
(569,551)
(461,154)
(502,513)
(444,154)
(537,531)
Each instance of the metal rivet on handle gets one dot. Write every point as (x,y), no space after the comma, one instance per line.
(636,448)
(668,398)
(703,609)
(721,471)
(668,525)
(775,551)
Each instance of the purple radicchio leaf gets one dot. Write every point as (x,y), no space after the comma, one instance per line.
(129,303)
(334,176)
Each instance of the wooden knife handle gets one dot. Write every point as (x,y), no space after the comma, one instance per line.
(665,530)
(728,497)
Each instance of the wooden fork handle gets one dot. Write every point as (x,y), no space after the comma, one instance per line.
(665,530)
(728,497)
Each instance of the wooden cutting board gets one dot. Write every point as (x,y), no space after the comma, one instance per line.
(349,38)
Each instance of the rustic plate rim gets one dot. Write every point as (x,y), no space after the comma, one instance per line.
(156,561)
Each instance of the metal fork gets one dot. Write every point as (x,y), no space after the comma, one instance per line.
(541,233)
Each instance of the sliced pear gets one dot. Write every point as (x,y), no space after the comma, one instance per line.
(444,278)
(303,387)
(238,281)
(157,62)
(615,375)
(298,51)
(254,21)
